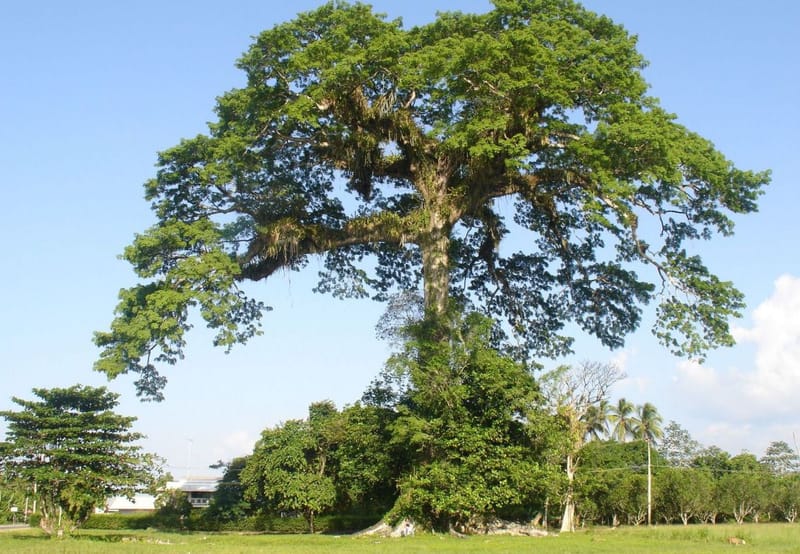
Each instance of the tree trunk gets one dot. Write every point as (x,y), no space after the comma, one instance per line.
(568,520)
(436,267)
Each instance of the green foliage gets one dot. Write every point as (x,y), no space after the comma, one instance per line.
(463,418)
(12,495)
(173,508)
(677,446)
(367,465)
(683,493)
(35,520)
(715,460)
(117,522)
(74,451)
(227,502)
(608,486)
(287,472)
(785,497)
(781,459)
(743,491)
(539,103)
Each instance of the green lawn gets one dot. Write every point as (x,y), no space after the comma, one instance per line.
(693,539)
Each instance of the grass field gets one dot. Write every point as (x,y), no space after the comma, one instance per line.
(782,538)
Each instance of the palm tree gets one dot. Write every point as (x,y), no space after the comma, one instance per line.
(595,420)
(647,425)
(621,417)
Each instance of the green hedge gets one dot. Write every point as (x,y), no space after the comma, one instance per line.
(197,521)
(121,521)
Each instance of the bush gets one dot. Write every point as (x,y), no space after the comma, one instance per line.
(34,520)
(257,524)
(116,522)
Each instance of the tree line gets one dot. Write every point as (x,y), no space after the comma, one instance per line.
(481,439)
(451,435)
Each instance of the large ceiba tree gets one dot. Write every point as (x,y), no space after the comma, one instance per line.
(404,157)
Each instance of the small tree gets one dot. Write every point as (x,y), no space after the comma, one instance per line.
(743,490)
(786,497)
(174,507)
(470,419)
(286,472)
(227,502)
(75,450)
(683,493)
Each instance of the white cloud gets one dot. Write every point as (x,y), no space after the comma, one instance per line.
(621,359)
(235,444)
(775,384)
(747,405)
(635,383)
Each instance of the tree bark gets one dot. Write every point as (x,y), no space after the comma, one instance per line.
(568,520)
(436,268)
(441,212)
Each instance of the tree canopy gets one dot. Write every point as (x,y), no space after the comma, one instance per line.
(405,157)
(75,450)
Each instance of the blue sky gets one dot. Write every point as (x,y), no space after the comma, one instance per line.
(92,90)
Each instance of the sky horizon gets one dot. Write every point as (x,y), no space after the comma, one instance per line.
(96,89)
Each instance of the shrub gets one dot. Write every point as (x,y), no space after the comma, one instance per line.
(115,522)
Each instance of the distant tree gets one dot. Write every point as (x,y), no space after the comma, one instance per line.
(743,490)
(368,464)
(781,459)
(716,460)
(287,473)
(677,446)
(647,424)
(683,493)
(786,497)
(604,465)
(578,395)
(228,502)
(76,451)
(596,420)
(402,156)
(622,417)
(629,497)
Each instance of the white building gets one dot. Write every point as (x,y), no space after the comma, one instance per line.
(199,491)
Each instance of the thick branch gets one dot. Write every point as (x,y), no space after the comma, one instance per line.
(287,241)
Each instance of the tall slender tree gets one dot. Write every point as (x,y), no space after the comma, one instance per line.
(410,150)
(574,392)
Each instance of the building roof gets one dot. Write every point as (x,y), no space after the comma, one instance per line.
(139,502)
(195,484)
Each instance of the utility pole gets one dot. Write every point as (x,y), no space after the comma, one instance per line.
(649,486)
